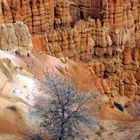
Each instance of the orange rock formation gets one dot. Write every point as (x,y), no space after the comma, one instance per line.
(103,36)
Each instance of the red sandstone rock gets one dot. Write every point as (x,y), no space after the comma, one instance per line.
(127,56)
(63,28)
(37,44)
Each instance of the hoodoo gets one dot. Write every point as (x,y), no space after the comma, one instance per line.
(69,69)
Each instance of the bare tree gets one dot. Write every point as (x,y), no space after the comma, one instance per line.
(64,109)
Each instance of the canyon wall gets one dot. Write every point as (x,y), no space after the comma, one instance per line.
(105,33)
(41,15)
(109,40)
(102,34)
(38,15)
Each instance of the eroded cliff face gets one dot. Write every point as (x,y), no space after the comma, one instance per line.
(38,15)
(109,40)
(15,36)
(41,15)
(105,33)
(22,73)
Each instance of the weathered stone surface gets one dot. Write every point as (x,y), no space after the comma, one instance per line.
(15,36)
(108,41)
(37,14)
(81,30)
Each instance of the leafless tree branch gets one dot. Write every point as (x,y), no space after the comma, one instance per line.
(63,110)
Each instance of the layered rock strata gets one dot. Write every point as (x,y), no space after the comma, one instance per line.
(38,15)
(15,36)
(106,31)
(41,15)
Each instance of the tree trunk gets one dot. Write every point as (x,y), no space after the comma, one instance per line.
(61,137)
